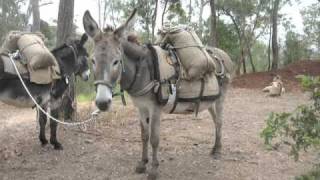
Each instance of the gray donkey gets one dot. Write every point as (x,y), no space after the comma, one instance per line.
(117,59)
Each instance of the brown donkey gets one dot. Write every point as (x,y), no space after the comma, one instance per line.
(117,59)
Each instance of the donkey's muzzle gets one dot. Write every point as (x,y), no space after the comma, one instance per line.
(103,105)
(103,97)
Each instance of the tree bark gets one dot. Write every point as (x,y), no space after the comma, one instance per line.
(36,15)
(65,32)
(99,12)
(275,48)
(164,11)
(200,30)
(154,19)
(251,60)
(269,49)
(213,32)
(243,59)
(190,11)
(65,21)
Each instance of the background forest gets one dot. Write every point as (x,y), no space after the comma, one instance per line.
(246,29)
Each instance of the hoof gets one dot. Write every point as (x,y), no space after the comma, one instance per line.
(216,154)
(153,175)
(43,142)
(57,146)
(141,167)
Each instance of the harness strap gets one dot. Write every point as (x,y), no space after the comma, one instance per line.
(103,82)
(200,96)
(153,84)
(222,71)
(123,98)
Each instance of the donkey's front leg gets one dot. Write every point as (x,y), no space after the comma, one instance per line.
(154,140)
(42,118)
(53,130)
(144,124)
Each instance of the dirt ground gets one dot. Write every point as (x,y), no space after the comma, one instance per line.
(111,150)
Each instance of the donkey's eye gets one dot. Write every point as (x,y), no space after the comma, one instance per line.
(116,62)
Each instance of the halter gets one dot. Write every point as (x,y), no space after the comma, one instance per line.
(103,82)
(111,86)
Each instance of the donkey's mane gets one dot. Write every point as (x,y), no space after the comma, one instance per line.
(108,28)
(59,48)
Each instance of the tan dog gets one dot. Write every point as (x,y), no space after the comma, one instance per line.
(276,87)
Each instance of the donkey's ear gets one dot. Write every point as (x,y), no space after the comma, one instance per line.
(90,25)
(120,31)
(83,39)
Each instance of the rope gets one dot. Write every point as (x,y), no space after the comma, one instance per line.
(93,114)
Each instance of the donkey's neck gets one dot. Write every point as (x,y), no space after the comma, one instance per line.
(136,71)
(133,51)
(66,61)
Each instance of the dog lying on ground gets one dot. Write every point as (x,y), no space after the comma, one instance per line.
(275,88)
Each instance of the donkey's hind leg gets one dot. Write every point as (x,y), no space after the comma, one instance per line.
(154,140)
(53,131)
(144,125)
(42,118)
(216,111)
(216,150)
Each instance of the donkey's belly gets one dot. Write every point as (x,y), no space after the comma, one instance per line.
(187,107)
(19,101)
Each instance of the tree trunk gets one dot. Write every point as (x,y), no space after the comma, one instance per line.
(243,58)
(65,21)
(65,32)
(269,49)
(200,30)
(164,11)
(190,11)
(248,46)
(275,48)
(36,15)
(154,19)
(251,60)
(213,30)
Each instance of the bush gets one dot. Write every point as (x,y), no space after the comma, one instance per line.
(299,129)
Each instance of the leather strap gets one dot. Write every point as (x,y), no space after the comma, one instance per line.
(103,82)
(200,96)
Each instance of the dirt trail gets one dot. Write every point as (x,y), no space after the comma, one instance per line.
(111,151)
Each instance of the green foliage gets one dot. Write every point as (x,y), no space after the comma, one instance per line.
(177,14)
(11,18)
(227,39)
(311,23)
(299,129)
(50,34)
(260,56)
(312,175)
(86,97)
(296,48)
